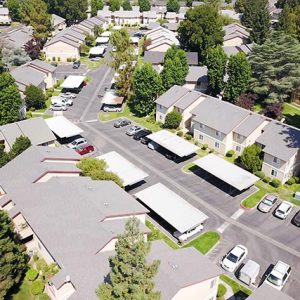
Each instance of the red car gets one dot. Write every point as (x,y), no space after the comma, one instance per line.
(84,149)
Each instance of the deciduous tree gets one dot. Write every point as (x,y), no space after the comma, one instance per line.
(114,5)
(251,158)
(33,48)
(273,110)
(173,120)
(126,5)
(14,7)
(131,276)
(239,75)
(10,100)
(13,258)
(95,6)
(246,101)
(173,6)
(216,64)
(201,30)
(289,20)
(147,86)
(20,145)
(34,97)
(144,5)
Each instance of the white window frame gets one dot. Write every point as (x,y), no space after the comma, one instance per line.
(217,145)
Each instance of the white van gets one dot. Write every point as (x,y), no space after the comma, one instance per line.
(184,236)
(249,272)
(59,101)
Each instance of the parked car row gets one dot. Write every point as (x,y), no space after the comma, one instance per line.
(282,211)
(234,258)
(81,146)
(62,101)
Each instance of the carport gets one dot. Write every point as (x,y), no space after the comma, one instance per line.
(127,171)
(73,82)
(62,127)
(171,207)
(97,51)
(102,40)
(173,143)
(231,174)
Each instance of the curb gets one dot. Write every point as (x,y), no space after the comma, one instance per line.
(246,208)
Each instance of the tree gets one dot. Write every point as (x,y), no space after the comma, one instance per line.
(114,5)
(246,101)
(126,5)
(34,13)
(257,17)
(275,68)
(289,20)
(98,30)
(33,48)
(14,7)
(273,110)
(201,30)
(216,65)
(173,120)
(173,6)
(175,68)
(124,80)
(34,97)
(147,86)
(239,75)
(95,6)
(189,3)
(12,56)
(96,169)
(239,6)
(131,276)
(13,258)
(20,145)
(144,5)
(10,100)
(251,158)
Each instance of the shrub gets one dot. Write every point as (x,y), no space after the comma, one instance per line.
(53,58)
(50,90)
(196,143)
(291,181)
(35,258)
(32,274)
(204,146)
(230,153)
(267,179)
(180,133)
(43,297)
(211,150)
(37,287)
(69,59)
(275,183)
(260,174)
(221,290)
(188,136)
(58,59)
(297,180)
(173,119)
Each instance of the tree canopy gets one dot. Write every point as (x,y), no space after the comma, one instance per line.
(144,5)
(257,17)
(10,99)
(34,97)
(95,6)
(126,5)
(173,120)
(14,7)
(201,30)
(13,258)
(216,65)
(175,68)
(173,6)
(34,13)
(130,277)
(239,75)
(275,68)
(147,86)
(251,158)
(289,20)
(114,5)
(96,169)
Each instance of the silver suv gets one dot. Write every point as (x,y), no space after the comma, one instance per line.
(267,203)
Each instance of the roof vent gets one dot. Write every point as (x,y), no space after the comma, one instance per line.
(68,278)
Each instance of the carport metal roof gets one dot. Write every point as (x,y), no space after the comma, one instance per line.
(128,172)
(171,207)
(62,127)
(173,143)
(99,50)
(72,82)
(102,40)
(226,171)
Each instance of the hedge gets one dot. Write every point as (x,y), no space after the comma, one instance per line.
(32,274)
(230,153)
(260,174)
(37,287)
(275,183)
(267,179)
(221,290)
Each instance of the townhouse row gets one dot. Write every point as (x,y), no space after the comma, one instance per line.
(224,126)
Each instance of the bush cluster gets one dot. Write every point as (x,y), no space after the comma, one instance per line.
(37,287)
(32,274)
(260,174)
(230,153)
(275,183)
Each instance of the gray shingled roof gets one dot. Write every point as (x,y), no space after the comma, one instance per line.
(171,96)
(35,129)
(27,76)
(268,292)
(157,57)
(56,20)
(196,73)
(188,99)
(219,115)
(250,124)
(180,268)
(42,65)
(17,36)
(280,140)
(171,26)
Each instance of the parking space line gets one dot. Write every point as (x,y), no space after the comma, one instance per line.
(223,227)
(237,214)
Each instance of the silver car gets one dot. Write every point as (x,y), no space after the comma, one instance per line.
(77,142)
(267,203)
(133,130)
(58,107)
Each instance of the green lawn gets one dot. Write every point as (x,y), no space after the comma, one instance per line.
(144,121)
(285,192)
(205,241)
(24,291)
(230,159)
(189,167)
(201,152)
(238,289)
(291,113)
(85,60)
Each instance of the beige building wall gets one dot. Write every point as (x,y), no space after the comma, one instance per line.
(62,50)
(206,290)
(62,293)
(234,42)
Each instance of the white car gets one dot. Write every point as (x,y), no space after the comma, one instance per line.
(68,95)
(112,108)
(58,107)
(184,236)
(279,275)
(77,142)
(283,210)
(234,257)
(153,146)
(67,101)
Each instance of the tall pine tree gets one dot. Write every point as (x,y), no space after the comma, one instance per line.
(131,277)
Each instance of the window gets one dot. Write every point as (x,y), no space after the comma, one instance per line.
(239,136)
(160,107)
(218,133)
(202,126)
(160,117)
(217,145)
(238,149)
(275,160)
(274,173)
(213,283)
(201,137)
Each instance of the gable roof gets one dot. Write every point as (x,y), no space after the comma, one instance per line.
(188,99)
(219,115)
(195,73)
(56,20)
(252,122)
(171,96)
(235,30)
(280,140)
(18,37)
(41,65)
